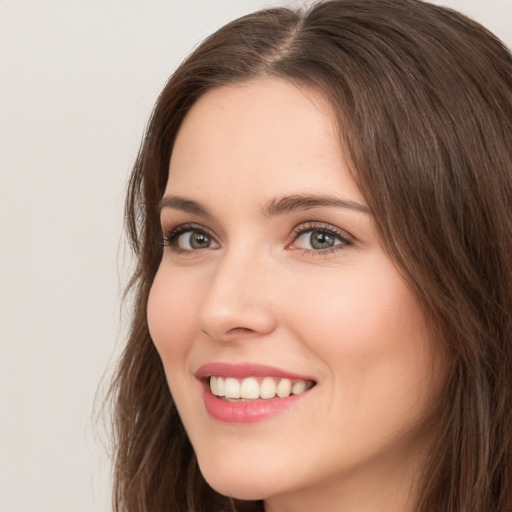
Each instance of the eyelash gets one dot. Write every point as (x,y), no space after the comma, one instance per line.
(171,238)
(328,229)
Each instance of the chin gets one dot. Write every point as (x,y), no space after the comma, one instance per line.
(240,487)
(236,480)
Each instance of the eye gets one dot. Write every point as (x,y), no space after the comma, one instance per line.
(193,240)
(319,239)
(316,239)
(189,238)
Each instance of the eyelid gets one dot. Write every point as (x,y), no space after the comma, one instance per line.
(169,235)
(344,236)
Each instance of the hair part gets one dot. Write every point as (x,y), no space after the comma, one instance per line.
(423,100)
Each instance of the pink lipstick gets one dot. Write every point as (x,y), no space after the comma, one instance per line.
(245,393)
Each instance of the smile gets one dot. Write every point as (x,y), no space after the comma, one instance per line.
(248,393)
(254,388)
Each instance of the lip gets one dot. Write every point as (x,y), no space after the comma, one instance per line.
(249,411)
(243,370)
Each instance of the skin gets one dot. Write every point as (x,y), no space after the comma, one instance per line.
(258,292)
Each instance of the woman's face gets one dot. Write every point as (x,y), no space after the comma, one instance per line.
(273,279)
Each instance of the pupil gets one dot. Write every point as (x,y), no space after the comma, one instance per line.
(321,240)
(199,240)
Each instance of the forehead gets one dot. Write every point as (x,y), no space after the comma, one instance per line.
(266,134)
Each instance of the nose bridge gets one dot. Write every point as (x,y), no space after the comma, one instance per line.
(237,300)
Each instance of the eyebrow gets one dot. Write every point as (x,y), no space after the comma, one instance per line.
(300,202)
(274,207)
(183,204)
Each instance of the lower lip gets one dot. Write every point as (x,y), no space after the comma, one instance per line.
(248,411)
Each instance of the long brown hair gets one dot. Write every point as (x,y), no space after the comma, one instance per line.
(423,98)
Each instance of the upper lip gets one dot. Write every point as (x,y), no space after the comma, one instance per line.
(243,370)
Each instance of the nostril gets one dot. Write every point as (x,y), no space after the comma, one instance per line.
(240,330)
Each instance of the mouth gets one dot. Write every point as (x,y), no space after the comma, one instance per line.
(247,393)
(257,388)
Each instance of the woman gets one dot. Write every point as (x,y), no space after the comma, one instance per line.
(321,211)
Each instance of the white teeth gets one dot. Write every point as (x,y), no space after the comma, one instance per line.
(213,385)
(284,388)
(220,387)
(231,388)
(299,387)
(217,385)
(267,388)
(252,388)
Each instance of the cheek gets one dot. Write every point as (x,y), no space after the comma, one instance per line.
(170,314)
(369,329)
(359,310)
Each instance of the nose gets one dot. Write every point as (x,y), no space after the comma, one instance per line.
(238,302)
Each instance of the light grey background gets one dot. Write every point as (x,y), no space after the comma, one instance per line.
(77,82)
